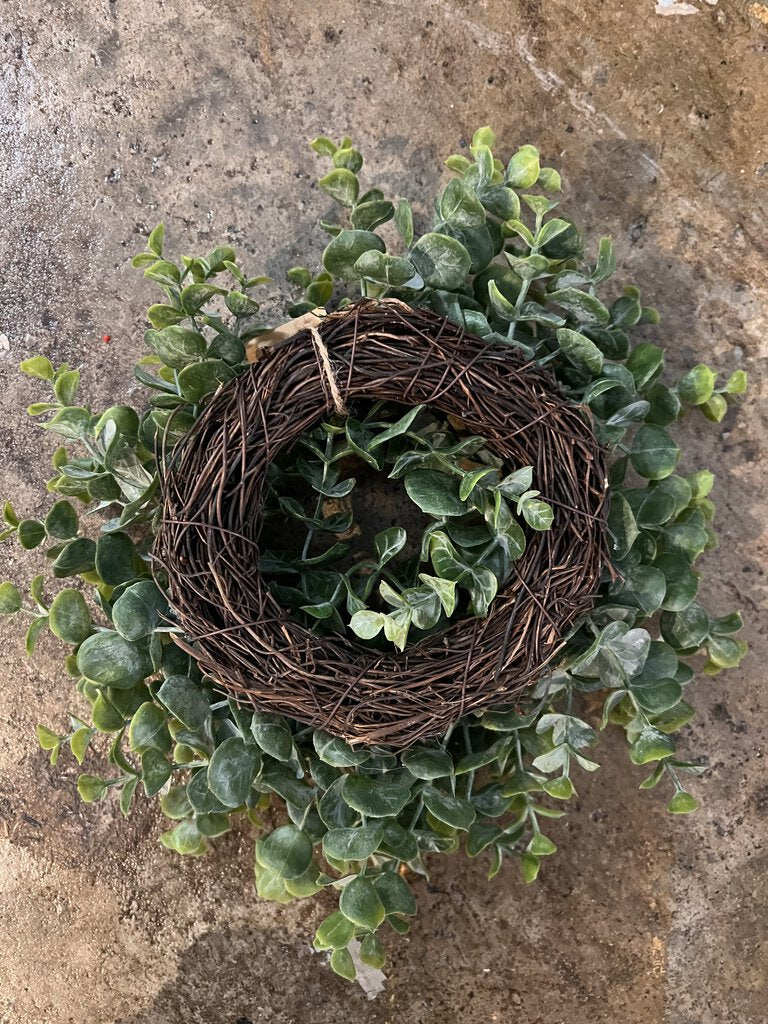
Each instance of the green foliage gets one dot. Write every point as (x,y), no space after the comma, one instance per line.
(384,595)
(364,821)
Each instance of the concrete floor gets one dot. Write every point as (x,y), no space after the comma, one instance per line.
(115,115)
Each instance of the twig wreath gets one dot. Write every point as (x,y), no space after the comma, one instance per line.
(233,624)
(257,637)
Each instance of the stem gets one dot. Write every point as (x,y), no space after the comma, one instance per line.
(319,505)
(526,283)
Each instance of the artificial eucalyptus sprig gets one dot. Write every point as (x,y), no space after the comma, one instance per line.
(474,533)
(363,821)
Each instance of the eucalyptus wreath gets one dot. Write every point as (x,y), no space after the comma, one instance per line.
(361,821)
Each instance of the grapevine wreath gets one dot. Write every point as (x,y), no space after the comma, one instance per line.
(377,567)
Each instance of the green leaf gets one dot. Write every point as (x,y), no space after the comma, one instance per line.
(682,803)
(656,508)
(435,493)
(360,903)
(231,772)
(155,240)
(551,230)
(76,557)
(200,796)
(404,222)
(654,454)
(395,893)
(213,824)
(175,803)
(71,423)
(69,617)
(272,735)
(657,697)
(583,307)
(137,611)
(66,385)
(61,522)
(389,543)
(726,624)
(396,429)
(372,952)
(342,252)
(502,202)
(299,276)
(644,588)
(336,752)
(651,745)
(482,584)
(115,558)
(579,349)
(10,598)
(37,366)
(645,363)
(549,179)
(31,533)
(342,185)
(445,590)
(682,582)
(375,797)
(515,484)
(606,261)
(79,742)
(34,631)
(442,261)
(148,729)
(500,304)
(538,514)
(471,478)
(91,788)
(367,624)
(176,346)
(200,379)
(444,557)
(185,839)
(342,964)
(334,932)
(9,515)
(323,145)
(427,764)
(560,788)
(701,483)
(369,215)
(186,701)
(686,629)
(715,409)
(287,851)
(106,659)
(696,386)
(529,867)
(451,810)
(523,169)
(47,739)
(736,383)
(353,843)
(383,269)
(460,207)
(218,258)
(725,652)
(195,296)
(155,771)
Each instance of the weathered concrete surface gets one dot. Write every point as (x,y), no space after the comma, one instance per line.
(116,115)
